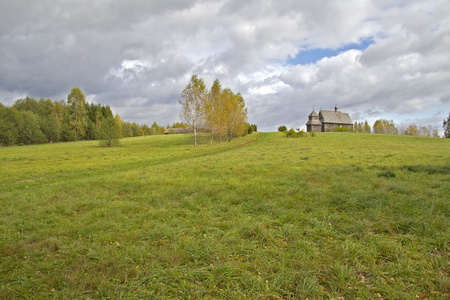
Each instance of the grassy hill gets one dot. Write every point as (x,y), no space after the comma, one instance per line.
(261,217)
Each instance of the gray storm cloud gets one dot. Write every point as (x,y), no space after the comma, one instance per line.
(137,56)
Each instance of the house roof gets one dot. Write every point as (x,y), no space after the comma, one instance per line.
(314,122)
(313,119)
(335,117)
(313,114)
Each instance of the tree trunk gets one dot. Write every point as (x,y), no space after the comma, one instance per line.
(195,136)
(212,137)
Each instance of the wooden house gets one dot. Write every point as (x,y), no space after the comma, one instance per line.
(328,120)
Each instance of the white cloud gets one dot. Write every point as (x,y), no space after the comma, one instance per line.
(137,56)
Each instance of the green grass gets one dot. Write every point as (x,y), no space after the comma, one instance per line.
(357,216)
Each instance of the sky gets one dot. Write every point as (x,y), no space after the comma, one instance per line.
(383,59)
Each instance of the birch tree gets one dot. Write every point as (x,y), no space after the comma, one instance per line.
(237,116)
(366,127)
(214,110)
(227,112)
(192,100)
(384,127)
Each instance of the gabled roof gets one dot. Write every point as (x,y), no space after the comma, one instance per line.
(313,119)
(335,117)
(313,114)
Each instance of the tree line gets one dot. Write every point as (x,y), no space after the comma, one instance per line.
(30,121)
(383,126)
(219,111)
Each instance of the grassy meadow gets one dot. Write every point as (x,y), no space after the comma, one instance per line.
(334,216)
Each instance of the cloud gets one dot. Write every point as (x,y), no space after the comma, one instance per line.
(137,56)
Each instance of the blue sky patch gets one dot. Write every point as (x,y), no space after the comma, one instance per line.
(313,55)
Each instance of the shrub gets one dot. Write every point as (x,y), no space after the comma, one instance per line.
(387,174)
(291,133)
(282,128)
(109,133)
(341,129)
(252,128)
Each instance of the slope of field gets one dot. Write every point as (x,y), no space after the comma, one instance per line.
(260,217)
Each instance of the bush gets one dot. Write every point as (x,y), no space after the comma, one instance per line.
(292,133)
(387,174)
(253,128)
(282,128)
(341,129)
(109,133)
